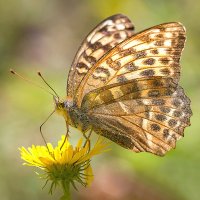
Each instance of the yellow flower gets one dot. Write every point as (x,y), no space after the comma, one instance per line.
(64,164)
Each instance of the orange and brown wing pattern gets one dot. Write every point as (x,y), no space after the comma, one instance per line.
(144,124)
(138,88)
(154,52)
(99,41)
(130,91)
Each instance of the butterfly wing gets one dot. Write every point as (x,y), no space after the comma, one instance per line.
(154,52)
(144,124)
(131,94)
(99,41)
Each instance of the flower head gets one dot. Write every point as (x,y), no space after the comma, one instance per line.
(64,164)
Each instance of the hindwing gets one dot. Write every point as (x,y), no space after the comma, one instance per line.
(144,124)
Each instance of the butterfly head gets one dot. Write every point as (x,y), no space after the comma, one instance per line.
(63,107)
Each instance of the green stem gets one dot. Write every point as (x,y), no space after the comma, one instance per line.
(66,190)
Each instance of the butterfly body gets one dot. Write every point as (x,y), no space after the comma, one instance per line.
(73,115)
(124,86)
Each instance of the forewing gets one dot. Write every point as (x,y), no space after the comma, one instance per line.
(154,52)
(99,41)
(144,125)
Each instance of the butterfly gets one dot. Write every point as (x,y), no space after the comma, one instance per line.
(124,86)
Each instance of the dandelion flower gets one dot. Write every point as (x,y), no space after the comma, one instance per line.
(64,165)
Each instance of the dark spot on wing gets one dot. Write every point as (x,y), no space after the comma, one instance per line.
(165,133)
(155,127)
(159,43)
(165,109)
(95,46)
(82,65)
(91,59)
(149,61)
(117,36)
(153,93)
(164,61)
(158,102)
(107,47)
(148,72)
(176,102)
(159,36)
(115,65)
(169,91)
(160,117)
(121,79)
(102,70)
(172,122)
(177,113)
(165,71)
(154,51)
(157,83)
(140,54)
(131,67)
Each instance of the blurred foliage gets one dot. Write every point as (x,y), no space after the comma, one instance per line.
(44,35)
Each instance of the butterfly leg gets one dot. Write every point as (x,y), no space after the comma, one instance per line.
(87,137)
(66,135)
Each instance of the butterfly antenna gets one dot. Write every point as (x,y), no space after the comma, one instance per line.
(39,73)
(29,81)
(41,129)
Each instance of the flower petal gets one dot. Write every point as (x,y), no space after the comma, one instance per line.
(89,175)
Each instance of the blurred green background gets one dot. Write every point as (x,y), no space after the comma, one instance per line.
(44,35)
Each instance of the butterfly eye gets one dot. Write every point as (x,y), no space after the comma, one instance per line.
(61,105)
